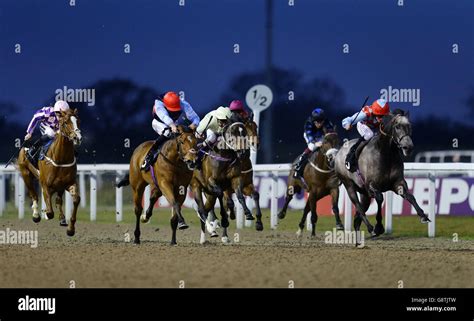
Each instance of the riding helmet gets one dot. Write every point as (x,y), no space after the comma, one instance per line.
(380,107)
(171,101)
(318,114)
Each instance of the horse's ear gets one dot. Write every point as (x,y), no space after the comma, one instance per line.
(75,112)
(180,129)
(407,114)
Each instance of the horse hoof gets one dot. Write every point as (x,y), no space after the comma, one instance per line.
(63,222)
(136,241)
(339,227)
(259,226)
(173,243)
(299,233)
(281,215)
(425,219)
(70,232)
(225,240)
(249,217)
(182,226)
(144,219)
(37,219)
(50,216)
(379,230)
(214,234)
(232,215)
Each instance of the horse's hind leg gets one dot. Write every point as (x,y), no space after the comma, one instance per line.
(365,203)
(403,188)
(361,207)
(306,210)
(76,199)
(29,180)
(137,200)
(335,208)
(59,207)
(224,221)
(237,185)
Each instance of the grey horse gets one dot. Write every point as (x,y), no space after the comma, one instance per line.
(380,169)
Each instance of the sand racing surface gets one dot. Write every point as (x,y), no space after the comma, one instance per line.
(99,256)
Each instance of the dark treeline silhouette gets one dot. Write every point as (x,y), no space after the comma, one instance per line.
(121,117)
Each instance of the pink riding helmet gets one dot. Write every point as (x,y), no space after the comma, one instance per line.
(237,105)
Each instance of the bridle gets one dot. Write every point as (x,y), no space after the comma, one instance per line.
(396,140)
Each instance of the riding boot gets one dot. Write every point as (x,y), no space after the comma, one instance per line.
(150,156)
(351,158)
(34,148)
(300,165)
(200,156)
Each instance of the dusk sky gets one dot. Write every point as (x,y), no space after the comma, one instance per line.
(190,48)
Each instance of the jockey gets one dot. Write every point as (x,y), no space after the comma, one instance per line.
(368,123)
(48,119)
(237,107)
(316,126)
(213,124)
(166,115)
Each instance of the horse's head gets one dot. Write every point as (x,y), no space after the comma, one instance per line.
(69,126)
(235,137)
(186,142)
(252,132)
(330,146)
(397,126)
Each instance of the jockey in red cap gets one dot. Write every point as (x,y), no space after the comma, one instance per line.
(368,122)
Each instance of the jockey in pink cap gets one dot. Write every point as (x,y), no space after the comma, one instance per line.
(236,106)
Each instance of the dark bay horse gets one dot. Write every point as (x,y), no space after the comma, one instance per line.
(56,172)
(380,169)
(221,170)
(246,173)
(319,180)
(169,176)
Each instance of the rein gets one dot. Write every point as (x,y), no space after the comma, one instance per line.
(392,138)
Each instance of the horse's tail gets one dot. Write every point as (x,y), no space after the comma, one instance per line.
(125,181)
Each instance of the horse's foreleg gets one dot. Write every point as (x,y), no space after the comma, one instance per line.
(47,195)
(402,190)
(76,199)
(335,208)
(224,221)
(313,197)
(379,229)
(250,191)
(237,185)
(197,191)
(168,191)
(155,195)
(306,210)
(59,207)
(289,196)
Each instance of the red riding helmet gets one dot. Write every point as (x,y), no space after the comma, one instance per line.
(171,101)
(380,107)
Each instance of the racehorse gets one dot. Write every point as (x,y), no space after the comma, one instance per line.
(169,176)
(380,169)
(246,174)
(319,180)
(56,172)
(221,170)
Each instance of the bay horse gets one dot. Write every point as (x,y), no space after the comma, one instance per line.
(57,172)
(319,180)
(221,170)
(246,173)
(169,176)
(380,169)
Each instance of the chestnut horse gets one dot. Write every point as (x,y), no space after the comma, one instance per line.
(169,176)
(56,172)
